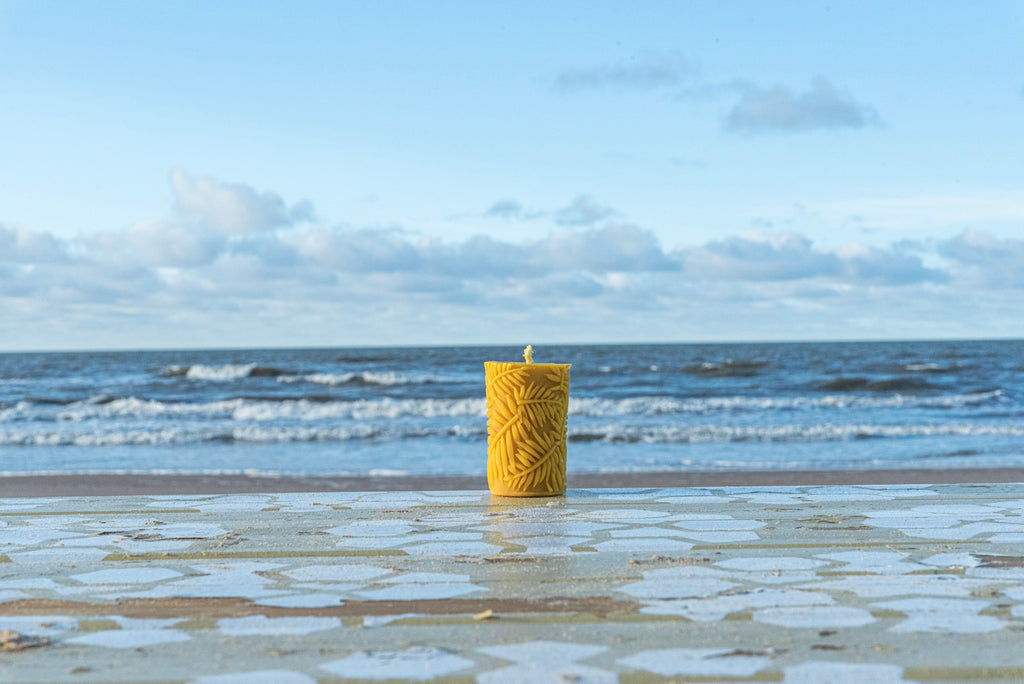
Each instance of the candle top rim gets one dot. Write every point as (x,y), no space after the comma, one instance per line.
(535,364)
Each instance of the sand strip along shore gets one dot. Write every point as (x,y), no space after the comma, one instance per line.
(127,484)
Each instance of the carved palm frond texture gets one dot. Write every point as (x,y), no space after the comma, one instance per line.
(527,407)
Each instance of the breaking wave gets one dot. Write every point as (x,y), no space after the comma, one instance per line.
(383,378)
(730,368)
(670,405)
(782,433)
(319,407)
(229,372)
(255,433)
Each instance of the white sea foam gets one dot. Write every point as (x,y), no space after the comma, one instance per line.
(921,367)
(390,378)
(387,472)
(320,378)
(271,433)
(382,378)
(668,434)
(219,373)
(19,411)
(264,410)
(648,406)
(252,434)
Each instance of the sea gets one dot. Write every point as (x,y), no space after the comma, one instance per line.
(421,410)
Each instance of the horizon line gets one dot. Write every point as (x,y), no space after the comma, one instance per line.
(442,345)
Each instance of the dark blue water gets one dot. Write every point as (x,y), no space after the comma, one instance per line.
(421,410)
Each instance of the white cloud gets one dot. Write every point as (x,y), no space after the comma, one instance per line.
(232,208)
(759,256)
(613,247)
(788,256)
(894,266)
(480,256)
(156,243)
(583,211)
(649,71)
(986,259)
(758,110)
(20,245)
(565,286)
(506,209)
(357,251)
(781,109)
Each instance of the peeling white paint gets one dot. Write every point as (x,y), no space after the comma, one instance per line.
(256,677)
(719,607)
(873,562)
(419,663)
(308,600)
(451,548)
(814,616)
(373,528)
(955,616)
(64,555)
(816,672)
(419,592)
(39,625)
(625,515)
(552,545)
(133,638)
(643,545)
(554,653)
(755,564)
(260,624)
(696,662)
(334,573)
(137,575)
(685,582)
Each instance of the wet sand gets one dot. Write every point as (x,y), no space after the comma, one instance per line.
(127,484)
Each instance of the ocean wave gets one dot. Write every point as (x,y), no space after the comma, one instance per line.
(263,410)
(653,406)
(928,367)
(234,371)
(240,434)
(782,433)
(914,367)
(730,368)
(49,401)
(80,436)
(321,407)
(859,384)
(200,371)
(260,473)
(369,378)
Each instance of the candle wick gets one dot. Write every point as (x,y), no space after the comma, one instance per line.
(528,353)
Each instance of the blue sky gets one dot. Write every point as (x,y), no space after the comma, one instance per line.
(192,174)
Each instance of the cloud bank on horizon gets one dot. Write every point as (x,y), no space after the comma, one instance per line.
(229,255)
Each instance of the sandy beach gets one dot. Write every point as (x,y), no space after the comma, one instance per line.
(125,484)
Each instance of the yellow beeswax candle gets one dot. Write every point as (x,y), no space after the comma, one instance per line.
(527,408)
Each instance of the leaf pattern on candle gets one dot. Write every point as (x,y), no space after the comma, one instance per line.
(527,406)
